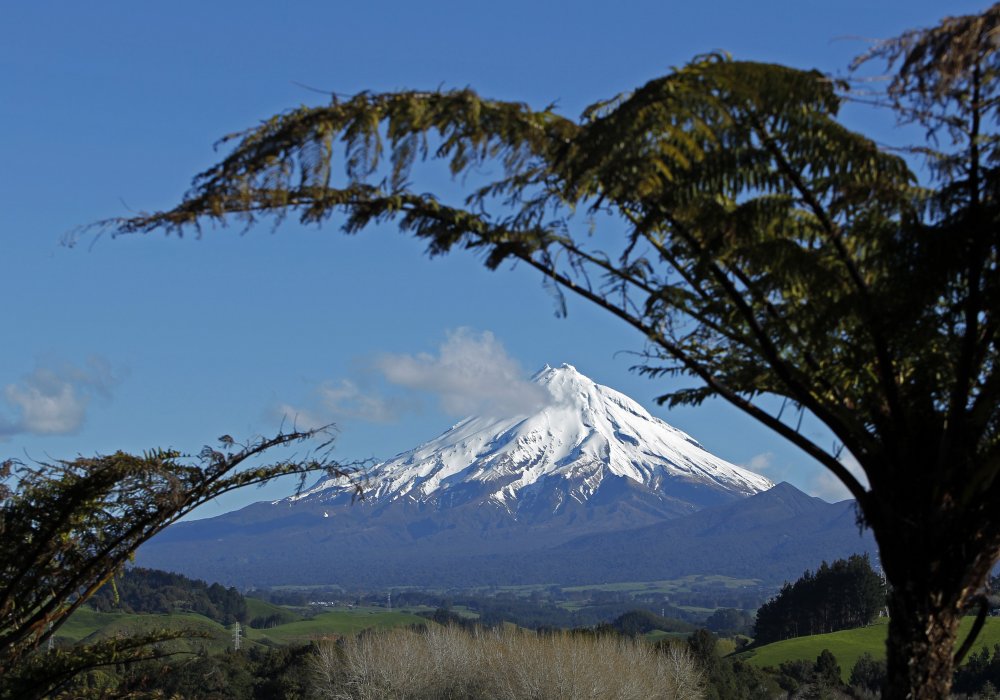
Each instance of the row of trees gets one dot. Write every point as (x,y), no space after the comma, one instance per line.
(982,668)
(842,595)
(140,590)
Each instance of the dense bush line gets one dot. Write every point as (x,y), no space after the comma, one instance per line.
(141,590)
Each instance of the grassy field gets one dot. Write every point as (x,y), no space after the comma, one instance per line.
(92,625)
(337,622)
(84,622)
(657,635)
(848,645)
(260,608)
(686,584)
(88,625)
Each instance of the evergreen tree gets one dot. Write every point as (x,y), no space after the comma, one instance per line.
(868,675)
(842,595)
(827,670)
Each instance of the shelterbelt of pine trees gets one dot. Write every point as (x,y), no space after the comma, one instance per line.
(838,596)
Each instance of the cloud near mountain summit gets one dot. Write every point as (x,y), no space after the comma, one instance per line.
(472,374)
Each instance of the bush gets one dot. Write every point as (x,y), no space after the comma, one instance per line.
(868,675)
(502,664)
(730,621)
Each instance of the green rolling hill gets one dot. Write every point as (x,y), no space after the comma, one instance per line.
(89,625)
(849,645)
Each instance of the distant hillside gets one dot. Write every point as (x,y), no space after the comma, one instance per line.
(89,625)
(849,645)
(772,536)
(140,590)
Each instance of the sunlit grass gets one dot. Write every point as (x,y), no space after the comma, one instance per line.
(848,645)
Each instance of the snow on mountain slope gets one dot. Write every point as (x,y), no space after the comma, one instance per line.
(587,434)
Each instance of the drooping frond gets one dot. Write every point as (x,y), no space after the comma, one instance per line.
(947,79)
(766,249)
(68,527)
(288,163)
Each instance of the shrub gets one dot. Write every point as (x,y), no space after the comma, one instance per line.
(868,675)
(504,664)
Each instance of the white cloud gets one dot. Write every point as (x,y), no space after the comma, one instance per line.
(345,398)
(830,488)
(471,374)
(53,401)
(761,463)
(52,410)
(334,401)
(766,465)
(809,477)
(297,418)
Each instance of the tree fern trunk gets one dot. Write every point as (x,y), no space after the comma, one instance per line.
(920,648)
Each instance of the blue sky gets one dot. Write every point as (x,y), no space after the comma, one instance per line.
(109,108)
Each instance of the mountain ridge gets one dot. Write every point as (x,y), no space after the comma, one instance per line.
(588,488)
(789,532)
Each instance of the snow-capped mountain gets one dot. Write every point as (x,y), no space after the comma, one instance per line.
(585,436)
(491,500)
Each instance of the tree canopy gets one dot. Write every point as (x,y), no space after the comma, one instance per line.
(761,247)
(838,596)
(67,527)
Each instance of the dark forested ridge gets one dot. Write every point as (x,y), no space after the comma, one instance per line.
(142,590)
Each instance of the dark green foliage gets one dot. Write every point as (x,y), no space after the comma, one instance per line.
(728,679)
(842,595)
(282,673)
(446,617)
(793,675)
(263,622)
(524,613)
(827,669)
(282,597)
(868,675)
(807,679)
(981,668)
(730,621)
(639,622)
(140,590)
(44,672)
(67,527)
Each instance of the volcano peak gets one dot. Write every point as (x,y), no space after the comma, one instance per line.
(586,435)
